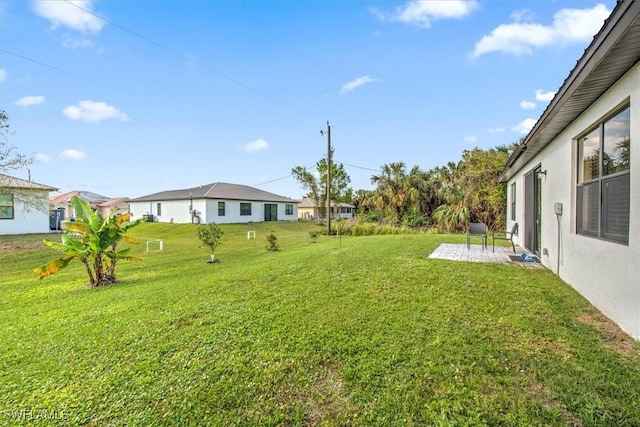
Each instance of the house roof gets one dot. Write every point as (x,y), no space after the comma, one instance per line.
(7,181)
(217,190)
(92,198)
(114,201)
(612,52)
(308,202)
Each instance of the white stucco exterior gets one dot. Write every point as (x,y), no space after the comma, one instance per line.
(177,211)
(604,272)
(218,202)
(25,206)
(27,220)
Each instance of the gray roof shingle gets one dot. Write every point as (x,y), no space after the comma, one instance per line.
(7,181)
(217,190)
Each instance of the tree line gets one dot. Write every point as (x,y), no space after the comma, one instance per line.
(447,197)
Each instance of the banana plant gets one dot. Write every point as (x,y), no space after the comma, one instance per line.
(93,240)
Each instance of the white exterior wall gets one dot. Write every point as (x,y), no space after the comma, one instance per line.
(178,211)
(605,273)
(232,212)
(27,222)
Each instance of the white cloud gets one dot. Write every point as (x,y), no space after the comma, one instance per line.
(257,145)
(30,100)
(348,87)
(580,24)
(498,130)
(3,74)
(70,15)
(471,139)
(544,96)
(93,111)
(42,157)
(72,154)
(522,15)
(569,26)
(525,126)
(527,105)
(73,43)
(422,13)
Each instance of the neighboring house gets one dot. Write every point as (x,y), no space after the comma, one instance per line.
(98,202)
(119,203)
(308,209)
(219,202)
(574,183)
(24,206)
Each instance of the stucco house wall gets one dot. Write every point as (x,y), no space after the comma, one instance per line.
(307,209)
(26,219)
(200,205)
(604,271)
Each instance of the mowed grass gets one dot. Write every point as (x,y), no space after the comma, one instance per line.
(355,331)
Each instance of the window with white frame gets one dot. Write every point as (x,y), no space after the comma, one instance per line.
(603,184)
(6,206)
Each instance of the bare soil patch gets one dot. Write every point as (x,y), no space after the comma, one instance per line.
(614,337)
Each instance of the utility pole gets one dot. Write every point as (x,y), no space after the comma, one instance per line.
(328,177)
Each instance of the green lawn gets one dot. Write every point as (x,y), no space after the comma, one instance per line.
(354,331)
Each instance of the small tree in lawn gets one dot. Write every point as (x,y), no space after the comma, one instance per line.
(211,236)
(272,242)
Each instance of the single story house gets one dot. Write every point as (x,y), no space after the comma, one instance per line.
(120,203)
(308,209)
(219,202)
(24,206)
(574,183)
(102,204)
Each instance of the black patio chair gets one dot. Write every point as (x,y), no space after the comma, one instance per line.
(505,235)
(477,229)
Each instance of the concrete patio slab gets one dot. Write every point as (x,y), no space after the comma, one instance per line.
(476,253)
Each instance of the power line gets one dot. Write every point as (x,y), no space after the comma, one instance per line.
(359,167)
(280,179)
(273,180)
(48,66)
(180,55)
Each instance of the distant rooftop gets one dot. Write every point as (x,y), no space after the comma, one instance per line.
(7,181)
(216,190)
(90,197)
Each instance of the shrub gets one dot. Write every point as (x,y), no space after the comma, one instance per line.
(416,219)
(272,242)
(371,229)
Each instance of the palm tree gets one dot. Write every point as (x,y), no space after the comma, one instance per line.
(392,189)
(452,216)
(93,240)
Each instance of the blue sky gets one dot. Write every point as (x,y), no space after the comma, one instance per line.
(128,98)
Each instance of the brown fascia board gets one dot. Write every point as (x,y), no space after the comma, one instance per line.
(614,27)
